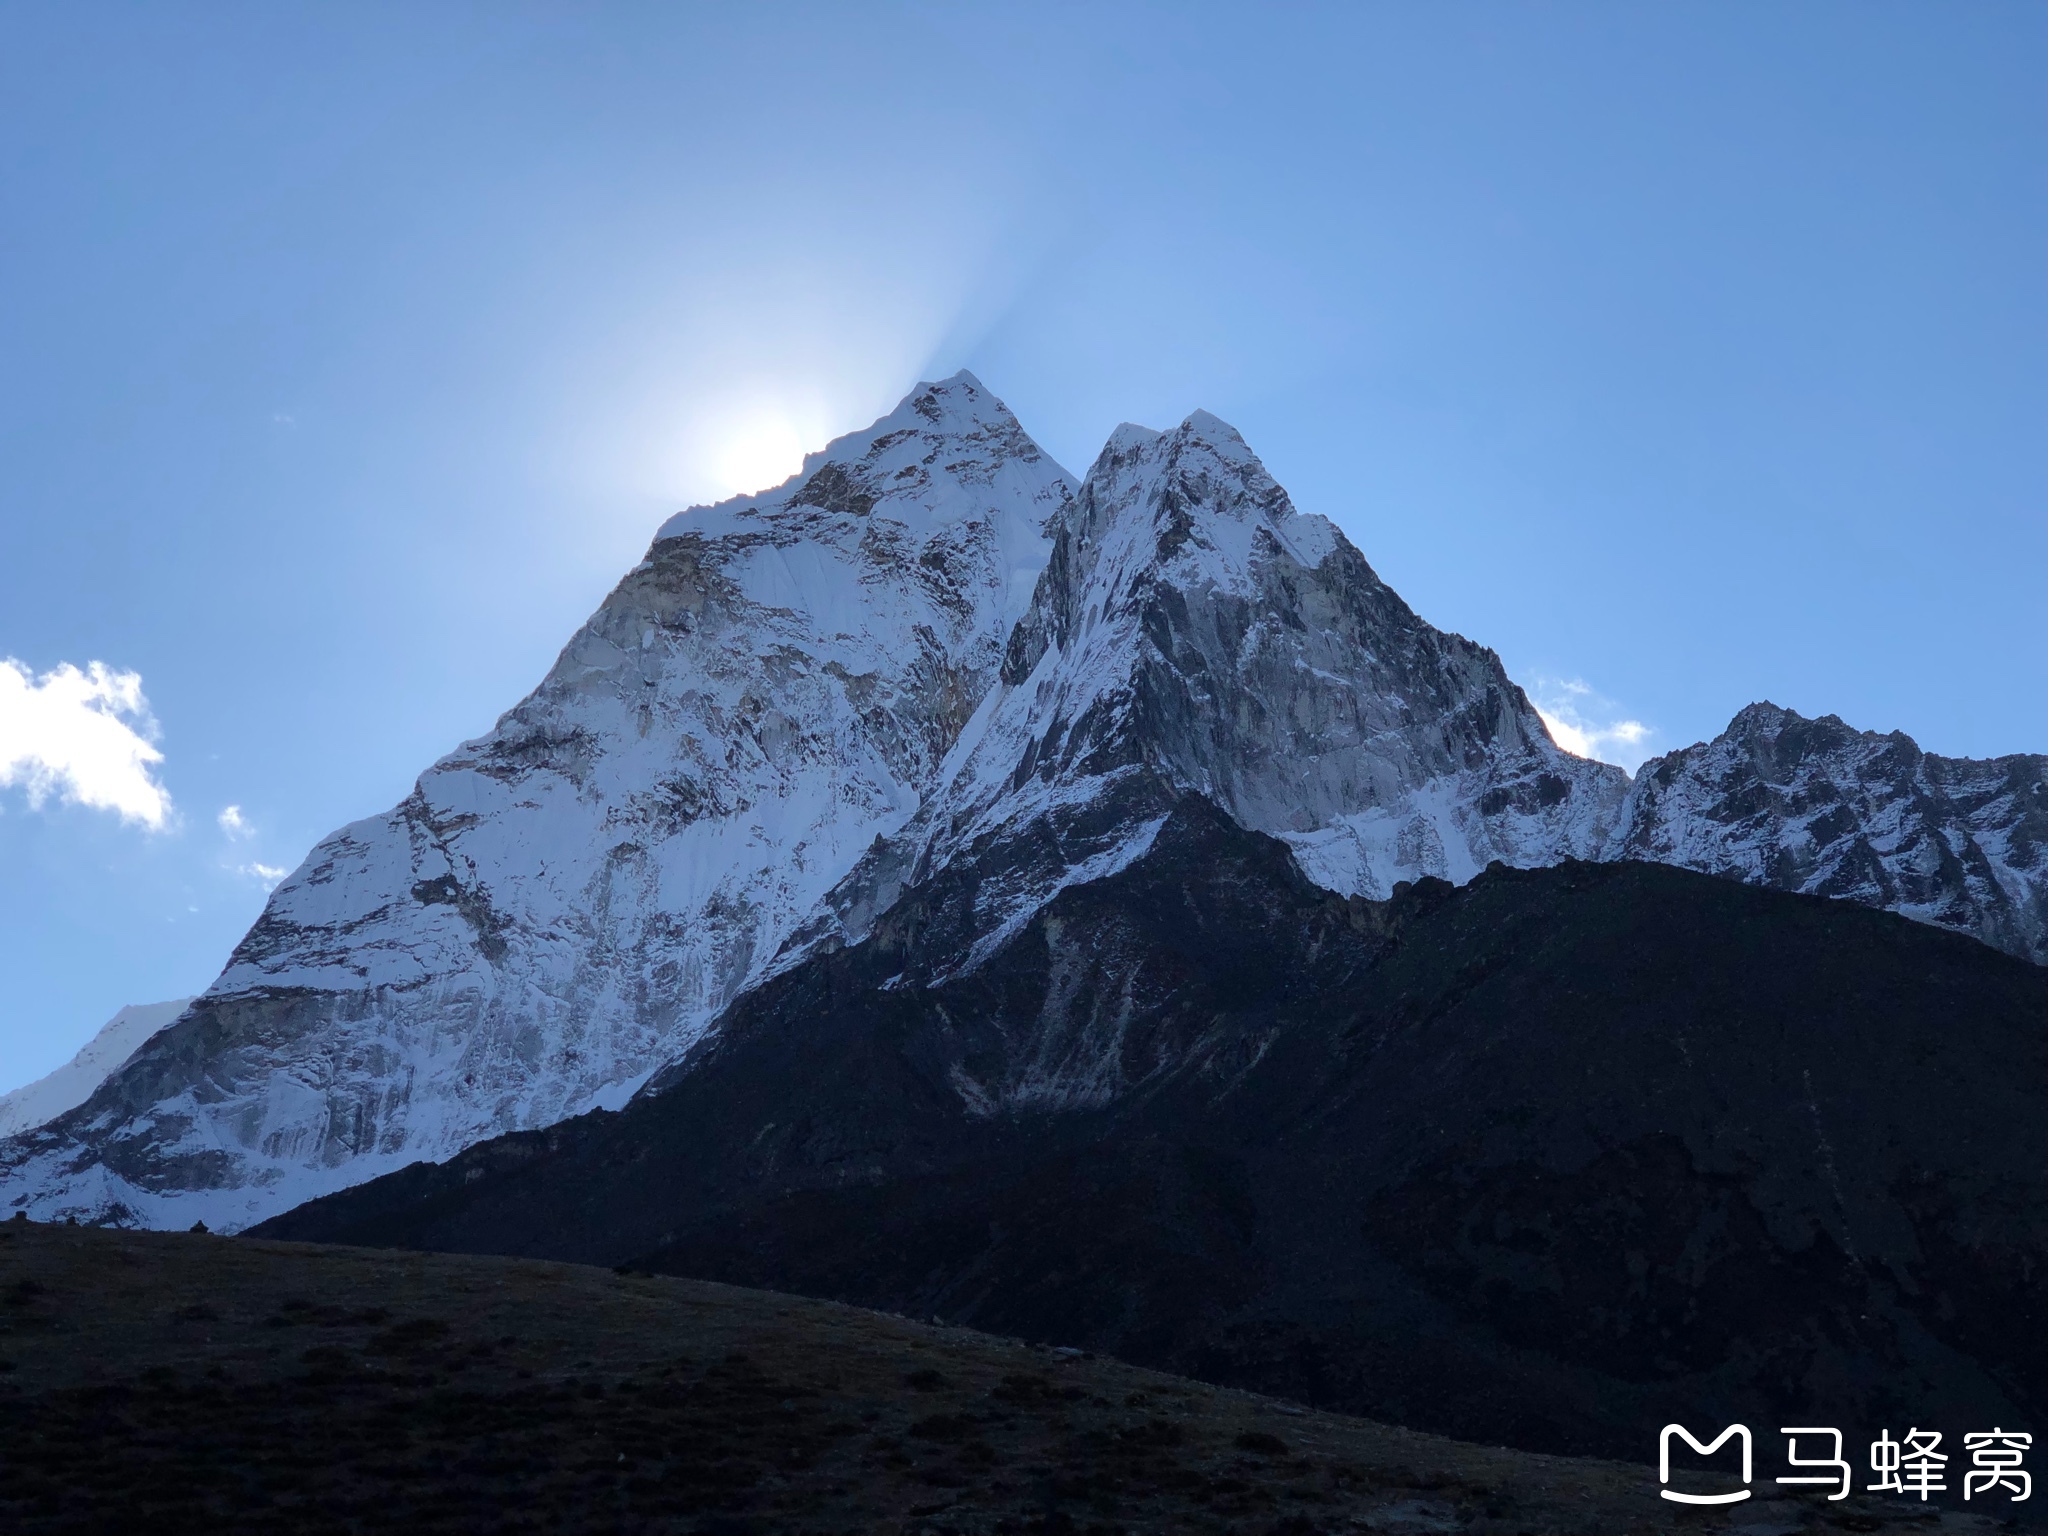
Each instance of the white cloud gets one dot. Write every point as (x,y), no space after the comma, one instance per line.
(84,737)
(1586,724)
(238,828)
(269,874)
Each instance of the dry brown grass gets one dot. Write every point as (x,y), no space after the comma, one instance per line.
(160,1383)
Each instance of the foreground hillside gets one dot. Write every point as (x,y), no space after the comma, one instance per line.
(170,1382)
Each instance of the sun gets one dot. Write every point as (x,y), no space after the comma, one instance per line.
(758,452)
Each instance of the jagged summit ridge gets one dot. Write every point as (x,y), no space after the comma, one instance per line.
(564,904)
(1194,632)
(1819,807)
(930,653)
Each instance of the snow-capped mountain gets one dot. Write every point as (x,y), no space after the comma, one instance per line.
(1814,806)
(70,1085)
(1192,631)
(929,652)
(562,905)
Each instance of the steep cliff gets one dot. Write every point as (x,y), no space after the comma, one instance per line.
(564,904)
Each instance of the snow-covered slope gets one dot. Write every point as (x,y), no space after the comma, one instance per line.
(929,652)
(1815,806)
(71,1084)
(563,905)
(1193,631)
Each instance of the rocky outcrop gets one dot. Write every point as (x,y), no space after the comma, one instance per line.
(36,1103)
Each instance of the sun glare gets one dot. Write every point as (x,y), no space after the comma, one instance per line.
(755,454)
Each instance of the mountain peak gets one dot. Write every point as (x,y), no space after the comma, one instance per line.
(959,400)
(1816,805)
(954,427)
(1213,429)
(566,903)
(1193,633)
(1763,715)
(1197,497)
(929,650)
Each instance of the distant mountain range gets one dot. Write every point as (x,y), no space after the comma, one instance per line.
(933,660)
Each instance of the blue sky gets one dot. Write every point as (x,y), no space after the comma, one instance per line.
(1694,354)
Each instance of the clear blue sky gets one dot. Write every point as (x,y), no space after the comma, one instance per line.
(349,353)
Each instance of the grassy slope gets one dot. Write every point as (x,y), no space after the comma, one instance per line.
(171,1382)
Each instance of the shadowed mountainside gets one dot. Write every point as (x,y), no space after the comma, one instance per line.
(1546,1160)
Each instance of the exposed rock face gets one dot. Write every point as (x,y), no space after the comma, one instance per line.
(1546,1160)
(1193,632)
(43,1100)
(1812,805)
(929,655)
(563,905)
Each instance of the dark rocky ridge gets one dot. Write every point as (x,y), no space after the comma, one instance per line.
(1541,1161)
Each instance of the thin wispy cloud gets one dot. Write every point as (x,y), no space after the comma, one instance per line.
(236,827)
(81,737)
(1588,724)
